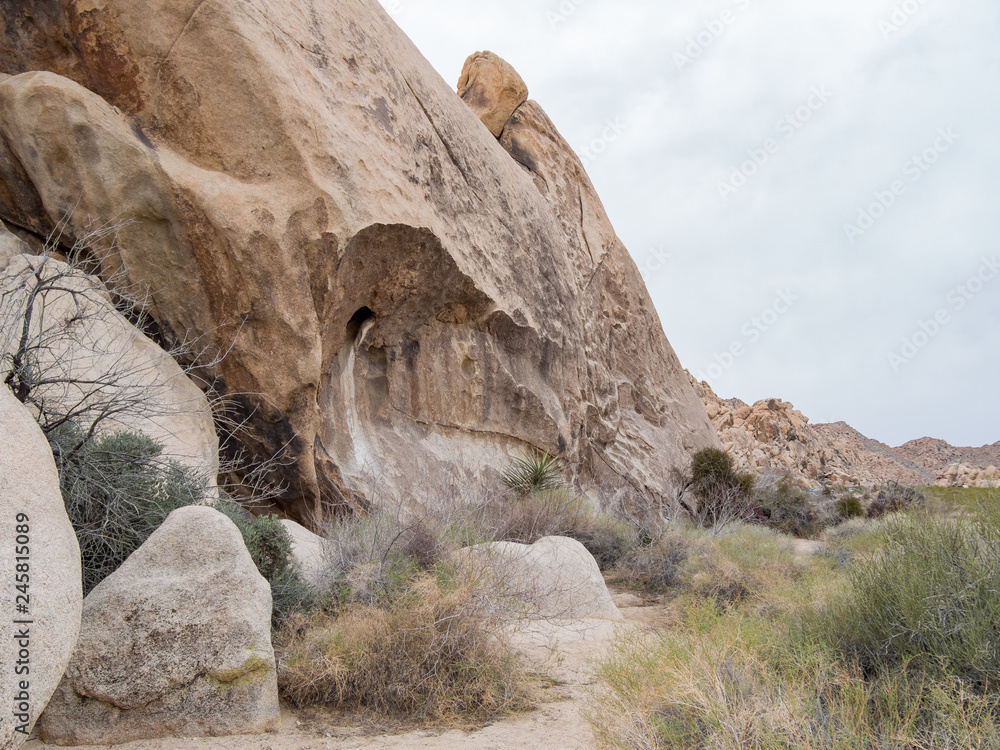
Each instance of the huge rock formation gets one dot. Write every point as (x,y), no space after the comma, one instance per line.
(89,364)
(396,294)
(175,643)
(40,563)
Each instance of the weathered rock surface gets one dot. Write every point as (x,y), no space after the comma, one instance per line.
(492,89)
(97,366)
(10,246)
(772,436)
(308,554)
(556,576)
(175,643)
(34,527)
(395,294)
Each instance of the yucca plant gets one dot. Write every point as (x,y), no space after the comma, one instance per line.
(537,471)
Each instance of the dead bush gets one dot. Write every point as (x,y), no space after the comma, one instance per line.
(434,655)
(656,567)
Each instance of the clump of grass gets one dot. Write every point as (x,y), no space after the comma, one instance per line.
(433,655)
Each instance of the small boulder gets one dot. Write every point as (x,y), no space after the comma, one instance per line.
(175,643)
(308,554)
(492,89)
(10,246)
(38,550)
(556,576)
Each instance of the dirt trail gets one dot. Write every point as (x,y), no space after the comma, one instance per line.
(567,653)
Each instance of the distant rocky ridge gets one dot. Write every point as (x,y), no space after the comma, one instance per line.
(772,436)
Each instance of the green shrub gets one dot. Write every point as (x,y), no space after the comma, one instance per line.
(537,471)
(849,506)
(927,599)
(724,494)
(117,491)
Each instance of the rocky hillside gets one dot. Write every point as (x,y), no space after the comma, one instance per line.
(407,283)
(870,460)
(772,436)
(935,454)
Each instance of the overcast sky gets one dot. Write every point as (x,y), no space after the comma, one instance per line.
(739,147)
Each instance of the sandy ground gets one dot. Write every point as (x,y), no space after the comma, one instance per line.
(566,654)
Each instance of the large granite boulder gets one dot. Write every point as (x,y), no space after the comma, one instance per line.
(556,577)
(175,643)
(394,292)
(93,366)
(40,563)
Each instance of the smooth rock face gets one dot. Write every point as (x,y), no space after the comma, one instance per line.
(394,294)
(308,554)
(10,246)
(175,643)
(556,576)
(82,340)
(492,89)
(29,485)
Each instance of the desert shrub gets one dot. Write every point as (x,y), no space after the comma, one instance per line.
(722,502)
(728,681)
(849,506)
(893,498)
(724,495)
(608,539)
(655,567)
(927,599)
(789,510)
(117,490)
(536,471)
(434,655)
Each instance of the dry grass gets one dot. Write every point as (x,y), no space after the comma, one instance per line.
(743,670)
(435,655)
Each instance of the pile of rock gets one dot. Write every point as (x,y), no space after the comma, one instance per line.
(960,475)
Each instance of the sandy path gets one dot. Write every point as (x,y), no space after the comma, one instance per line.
(567,653)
